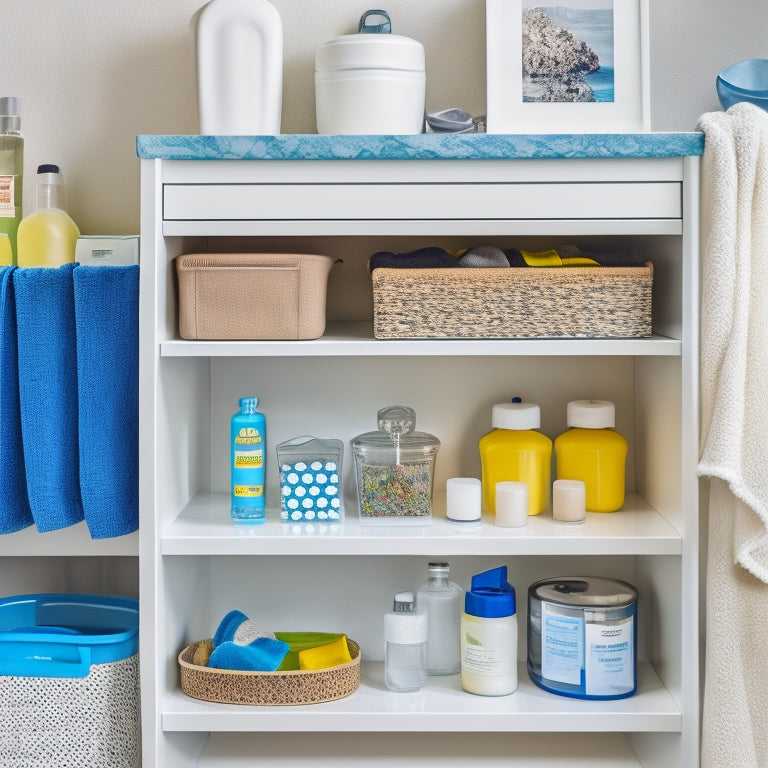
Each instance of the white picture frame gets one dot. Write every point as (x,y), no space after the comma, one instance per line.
(540,102)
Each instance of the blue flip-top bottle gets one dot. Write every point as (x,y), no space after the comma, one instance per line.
(248,440)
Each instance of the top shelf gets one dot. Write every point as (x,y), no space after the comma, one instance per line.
(426,146)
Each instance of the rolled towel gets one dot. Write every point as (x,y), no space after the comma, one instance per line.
(484,256)
(422,258)
(15,513)
(264,654)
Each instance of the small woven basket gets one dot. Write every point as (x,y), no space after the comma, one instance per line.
(515,303)
(269,688)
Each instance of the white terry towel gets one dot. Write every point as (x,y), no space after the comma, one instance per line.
(734,399)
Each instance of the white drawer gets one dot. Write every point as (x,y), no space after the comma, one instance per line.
(417,201)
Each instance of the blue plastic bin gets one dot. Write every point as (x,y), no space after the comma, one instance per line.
(59,635)
(69,682)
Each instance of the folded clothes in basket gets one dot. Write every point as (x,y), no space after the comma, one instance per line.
(491,256)
(15,513)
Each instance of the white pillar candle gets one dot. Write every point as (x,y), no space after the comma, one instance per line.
(569,498)
(511,504)
(464,499)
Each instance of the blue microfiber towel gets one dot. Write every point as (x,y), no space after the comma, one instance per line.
(15,513)
(45,318)
(265,654)
(107,330)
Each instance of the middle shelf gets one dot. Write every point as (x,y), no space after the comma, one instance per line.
(204,527)
(442,706)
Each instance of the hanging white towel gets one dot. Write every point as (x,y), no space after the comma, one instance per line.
(734,451)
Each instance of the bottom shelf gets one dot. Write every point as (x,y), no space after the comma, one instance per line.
(442,706)
(575,750)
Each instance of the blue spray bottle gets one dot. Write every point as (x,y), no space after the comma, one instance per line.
(248,440)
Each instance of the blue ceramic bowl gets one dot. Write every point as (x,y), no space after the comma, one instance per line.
(744,81)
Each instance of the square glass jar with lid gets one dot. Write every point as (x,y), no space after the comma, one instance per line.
(394,470)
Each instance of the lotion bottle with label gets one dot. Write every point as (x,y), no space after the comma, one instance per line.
(239,68)
(489,635)
(248,439)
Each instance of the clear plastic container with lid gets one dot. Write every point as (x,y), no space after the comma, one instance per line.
(592,451)
(515,451)
(394,469)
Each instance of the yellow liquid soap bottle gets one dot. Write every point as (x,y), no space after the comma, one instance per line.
(592,451)
(48,237)
(516,451)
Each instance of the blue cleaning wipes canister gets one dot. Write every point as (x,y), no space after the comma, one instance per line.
(582,637)
(248,442)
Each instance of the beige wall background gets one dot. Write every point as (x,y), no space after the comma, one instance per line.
(94,73)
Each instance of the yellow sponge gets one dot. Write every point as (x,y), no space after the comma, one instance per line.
(324,656)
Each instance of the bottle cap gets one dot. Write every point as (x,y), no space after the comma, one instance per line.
(516,415)
(569,501)
(491,596)
(404,626)
(463,498)
(591,414)
(511,504)
(248,405)
(10,114)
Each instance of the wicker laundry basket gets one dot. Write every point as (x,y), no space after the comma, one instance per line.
(515,303)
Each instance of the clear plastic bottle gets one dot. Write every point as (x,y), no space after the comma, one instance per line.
(248,439)
(405,646)
(48,237)
(489,636)
(592,451)
(441,601)
(516,451)
(11,168)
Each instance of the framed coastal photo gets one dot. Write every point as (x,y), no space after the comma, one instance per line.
(567,66)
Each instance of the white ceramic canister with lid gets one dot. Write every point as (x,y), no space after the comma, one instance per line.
(372,82)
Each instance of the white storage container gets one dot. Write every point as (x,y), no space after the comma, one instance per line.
(370,83)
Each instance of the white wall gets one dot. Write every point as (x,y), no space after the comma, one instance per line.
(94,73)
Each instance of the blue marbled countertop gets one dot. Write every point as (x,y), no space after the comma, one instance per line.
(426,146)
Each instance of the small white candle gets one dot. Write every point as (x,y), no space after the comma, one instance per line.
(463,499)
(511,504)
(569,499)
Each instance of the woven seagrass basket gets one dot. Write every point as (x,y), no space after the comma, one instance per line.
(269,688)
(515,303)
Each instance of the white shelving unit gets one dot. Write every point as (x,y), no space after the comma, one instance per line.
(200,194)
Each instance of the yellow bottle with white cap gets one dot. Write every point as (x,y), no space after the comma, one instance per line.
(47,237)
(516,451)
(592,451)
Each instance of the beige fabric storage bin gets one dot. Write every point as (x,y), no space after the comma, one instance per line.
(514,303)
(252,296)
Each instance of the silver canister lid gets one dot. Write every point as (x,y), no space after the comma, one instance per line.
(578,591)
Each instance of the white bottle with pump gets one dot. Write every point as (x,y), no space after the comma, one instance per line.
(239,68)
(405,646)
(489,635)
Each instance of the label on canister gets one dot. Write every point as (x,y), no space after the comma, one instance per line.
(562,644)
(609,663)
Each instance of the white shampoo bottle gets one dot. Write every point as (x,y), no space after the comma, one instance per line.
(239,68)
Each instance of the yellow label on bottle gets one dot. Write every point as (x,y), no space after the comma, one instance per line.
(248,460)
(248,491)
